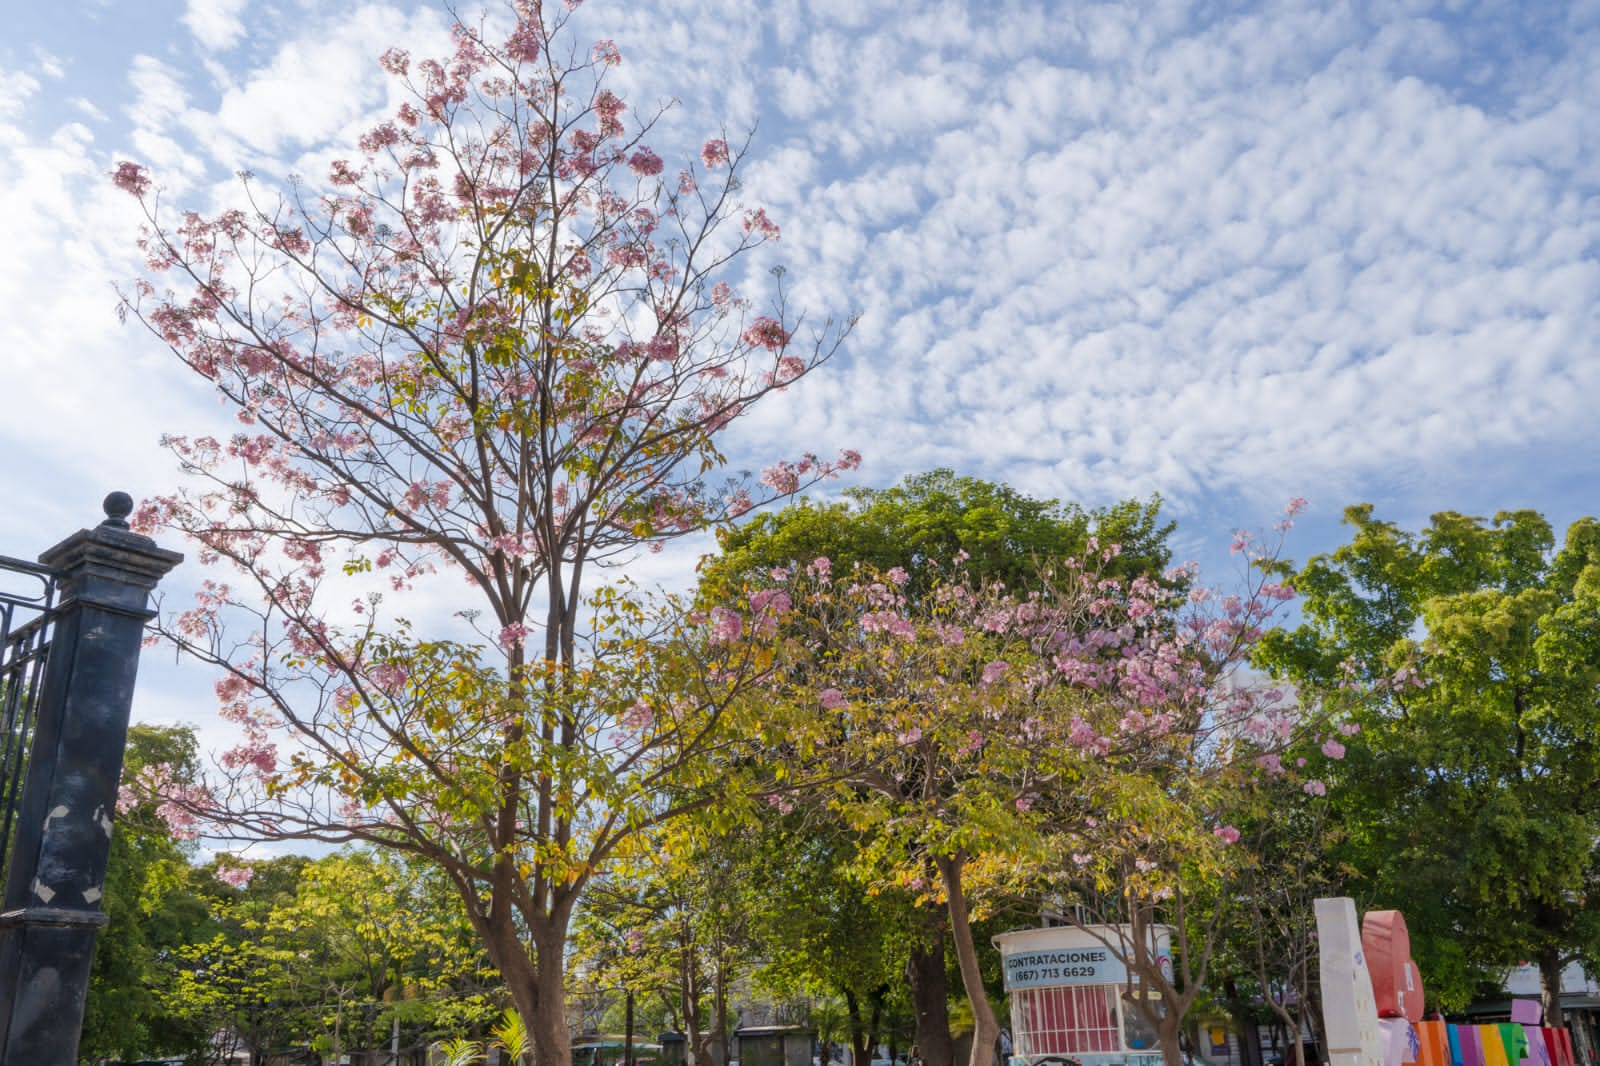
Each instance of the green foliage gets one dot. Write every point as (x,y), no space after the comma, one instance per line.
(154,903)
(1472,798)
(511,1035)
(932,517)
(311,953)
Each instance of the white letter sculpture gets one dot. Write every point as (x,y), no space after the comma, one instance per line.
(1349,1011)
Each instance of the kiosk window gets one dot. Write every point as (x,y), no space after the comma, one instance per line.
(1065,1020)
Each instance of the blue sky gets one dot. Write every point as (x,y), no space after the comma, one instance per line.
(1225,252)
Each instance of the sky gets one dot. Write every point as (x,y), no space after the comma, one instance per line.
(1224,252)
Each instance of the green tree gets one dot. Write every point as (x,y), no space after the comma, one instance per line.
(934,516)
(379,947)
(1003,536)
(154,903)
(1266,965)
(1472,800)
(827,932)
(676,923)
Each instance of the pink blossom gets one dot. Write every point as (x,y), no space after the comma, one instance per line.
(1297,506)
(1082,735)
(131,177)
(638,716)
(897,575)
(766,333)
(994,671)
(831,699)
(1226,833)
(909,736)
(1349,729)
(1024,803)
(606,52)
(770,601)
(849,459)
(820,567)
(523,44)
(714,154)
(512,636)
(888,622)
(1333,749)
(237,876)
(396,61)
(781,478)
(757,222)
(1315,788)
(645,163)
(726,625)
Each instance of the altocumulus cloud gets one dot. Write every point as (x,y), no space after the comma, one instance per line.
(1098,248)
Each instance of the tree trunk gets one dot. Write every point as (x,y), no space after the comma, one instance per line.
(719,1011)
(1248,1032)
(985,1029)
(860,1039)
(1170,1031)
(1550,981)
(545,1017)
(930,991)
(689,996)
(522,976)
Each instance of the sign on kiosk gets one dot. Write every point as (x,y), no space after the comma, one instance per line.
(1070,966)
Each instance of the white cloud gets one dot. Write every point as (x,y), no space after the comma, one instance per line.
(216,24)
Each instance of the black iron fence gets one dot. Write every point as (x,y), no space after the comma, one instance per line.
(27,609)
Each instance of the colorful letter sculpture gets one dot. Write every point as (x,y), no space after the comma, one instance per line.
(1349,1013)
(1433,1039)
(1372,1004)
(1494,1050)
(1396,981)
(1559,1044)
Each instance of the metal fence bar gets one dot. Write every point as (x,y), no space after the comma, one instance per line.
(25,624)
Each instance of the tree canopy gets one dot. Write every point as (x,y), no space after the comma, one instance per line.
(933,517)
(1472,801)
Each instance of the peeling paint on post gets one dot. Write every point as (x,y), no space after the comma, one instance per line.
(51,907)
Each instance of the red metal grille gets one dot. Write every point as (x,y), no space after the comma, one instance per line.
(1073,1020)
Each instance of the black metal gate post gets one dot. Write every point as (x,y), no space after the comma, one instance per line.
(51,907)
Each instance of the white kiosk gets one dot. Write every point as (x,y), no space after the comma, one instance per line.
(1070,993)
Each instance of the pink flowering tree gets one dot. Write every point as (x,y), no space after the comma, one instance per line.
(499,340)
(1094,725)
(1147,854)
